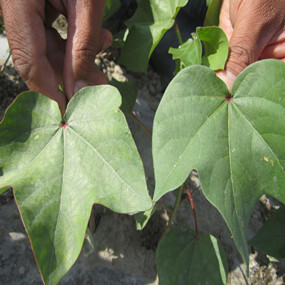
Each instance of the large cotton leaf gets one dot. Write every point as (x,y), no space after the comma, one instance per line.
(59,170)
(182,259)
(237,144)
(146,28)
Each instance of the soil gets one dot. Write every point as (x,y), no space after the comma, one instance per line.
(121,254)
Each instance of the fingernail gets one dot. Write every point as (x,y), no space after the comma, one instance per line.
(79,85)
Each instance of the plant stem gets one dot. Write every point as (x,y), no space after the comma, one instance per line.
(142,125)
(176,205)
(194,212)
(180,41)
(178,33)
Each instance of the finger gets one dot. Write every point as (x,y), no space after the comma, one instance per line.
(26,36)
(254,24)
(105,40)
(97,77)
(56,52)
(274,51)
(276,48)
(224,20)
(84,27)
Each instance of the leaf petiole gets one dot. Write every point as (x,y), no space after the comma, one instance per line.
(194,212)
(176,205)
(178,32)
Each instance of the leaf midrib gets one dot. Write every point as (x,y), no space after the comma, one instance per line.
(59,211)
(231,174)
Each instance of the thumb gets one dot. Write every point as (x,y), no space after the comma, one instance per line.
(84,28)
(243,51)
(254,24)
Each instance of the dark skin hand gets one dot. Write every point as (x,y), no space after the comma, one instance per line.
(255,30)
(42,58)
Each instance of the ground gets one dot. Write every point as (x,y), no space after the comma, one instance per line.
(123,255)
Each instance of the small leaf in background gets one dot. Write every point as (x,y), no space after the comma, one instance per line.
(2,190)
(237,144)
(146,28)
(189,52)
(216,47)
(129,93)
(271,237)
(142,218)
(119,39)
(111,7)
(213,13)
(181,259)
(60,169)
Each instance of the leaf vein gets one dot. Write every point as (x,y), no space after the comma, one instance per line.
(102,158)
(260,136)
(192,138)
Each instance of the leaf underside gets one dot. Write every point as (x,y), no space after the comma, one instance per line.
(59,170)
(237,144)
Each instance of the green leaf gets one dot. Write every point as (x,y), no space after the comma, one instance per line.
(271,237)
(129,93)
(189,52)
(213,13)
(181,259)
(146,28)
(4,189)
(236,144)
(216,46)
(143,218)
(111,7)
(119,39)
(59,170)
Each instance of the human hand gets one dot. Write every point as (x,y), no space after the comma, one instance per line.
(42,58)
(255,30)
